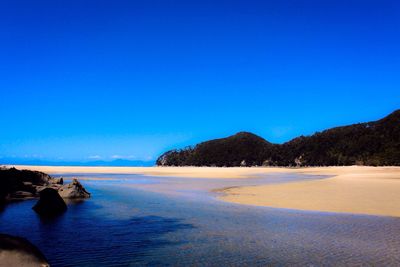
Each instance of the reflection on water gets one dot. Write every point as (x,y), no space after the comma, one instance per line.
(85,236)
(122,226)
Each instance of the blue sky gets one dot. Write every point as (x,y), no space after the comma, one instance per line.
(84,80)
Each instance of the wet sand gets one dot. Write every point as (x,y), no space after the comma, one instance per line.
(359,190)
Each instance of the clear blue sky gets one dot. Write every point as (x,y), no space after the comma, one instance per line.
(84,80)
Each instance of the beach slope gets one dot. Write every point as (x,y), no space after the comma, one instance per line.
(359,190)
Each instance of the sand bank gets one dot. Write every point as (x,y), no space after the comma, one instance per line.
(188,172)
(359,190)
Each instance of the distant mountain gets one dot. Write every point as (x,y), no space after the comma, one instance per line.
(97,163)
(229,151)
(374,143)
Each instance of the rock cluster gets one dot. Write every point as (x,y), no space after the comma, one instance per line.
(22,185)
(51,201)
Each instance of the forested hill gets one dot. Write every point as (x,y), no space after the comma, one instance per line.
(374,143)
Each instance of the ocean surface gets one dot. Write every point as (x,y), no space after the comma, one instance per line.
(132,220)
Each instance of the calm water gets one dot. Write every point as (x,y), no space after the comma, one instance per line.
(128,222)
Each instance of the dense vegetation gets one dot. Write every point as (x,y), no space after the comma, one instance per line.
(373,143)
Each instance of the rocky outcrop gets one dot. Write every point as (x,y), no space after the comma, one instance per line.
(24,184)
(57,180)
(17,251)
(18,184)
(17,195)
(73,190)
(50,203)
(55,183)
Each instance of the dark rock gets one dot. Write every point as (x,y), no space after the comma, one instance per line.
(54,186)
(13,180)
(21,195)
(59,181)
(17,251)
(73,190)
(39,188)
(50,203)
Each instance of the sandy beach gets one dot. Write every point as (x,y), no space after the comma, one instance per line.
(358,190)
(188,172)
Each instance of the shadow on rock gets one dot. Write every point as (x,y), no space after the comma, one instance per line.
(17,251)
(50,203)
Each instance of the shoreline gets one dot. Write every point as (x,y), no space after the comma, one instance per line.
(352,189)
(184,172)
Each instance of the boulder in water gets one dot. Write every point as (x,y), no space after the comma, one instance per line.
(59,181)
(50,203)
(17,251)
(73,190)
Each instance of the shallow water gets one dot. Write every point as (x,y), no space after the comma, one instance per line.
(135,220)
